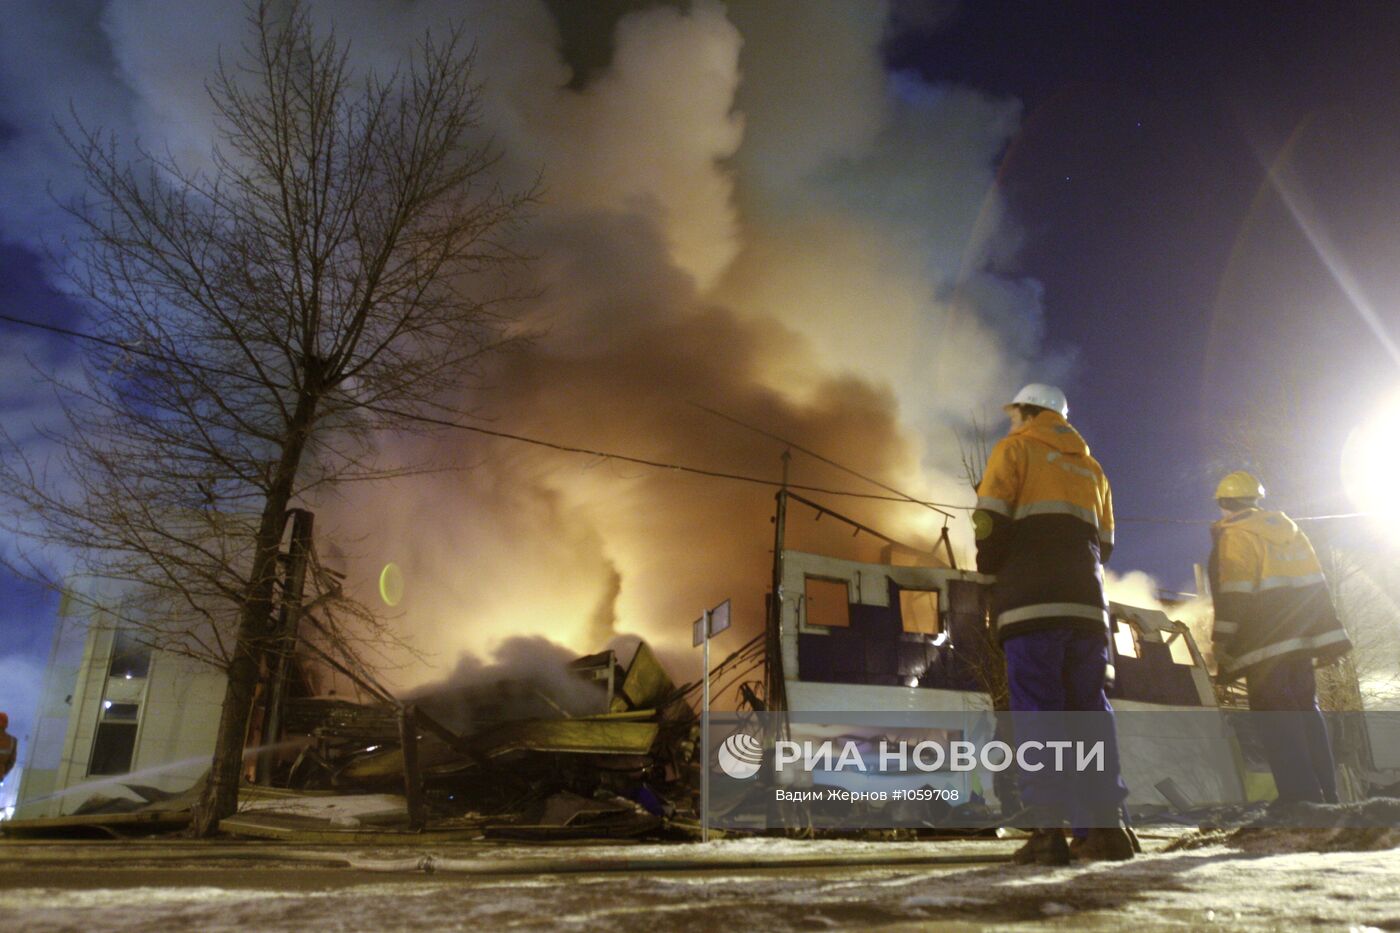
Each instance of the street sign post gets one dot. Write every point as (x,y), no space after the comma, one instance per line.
(711,623)
(718,622)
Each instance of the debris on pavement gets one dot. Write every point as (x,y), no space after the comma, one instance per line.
(610,752)
(1369,826)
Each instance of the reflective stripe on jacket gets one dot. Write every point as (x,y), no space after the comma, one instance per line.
(1044,525)
(1271,598)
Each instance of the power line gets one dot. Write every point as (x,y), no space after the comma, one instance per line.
(625,458)
(657,464)
(476,429)
(139,351)
(816,456)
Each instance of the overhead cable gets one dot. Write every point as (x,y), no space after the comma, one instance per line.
(623,458)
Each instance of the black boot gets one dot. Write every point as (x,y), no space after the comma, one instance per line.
(1044,847)
(1105,845)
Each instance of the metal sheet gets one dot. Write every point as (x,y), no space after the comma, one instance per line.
(719,618)
(646,684)
(719,621)
(578,736)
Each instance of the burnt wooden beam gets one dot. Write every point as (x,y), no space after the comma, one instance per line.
(412,774)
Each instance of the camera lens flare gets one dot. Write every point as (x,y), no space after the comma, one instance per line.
(1371,463)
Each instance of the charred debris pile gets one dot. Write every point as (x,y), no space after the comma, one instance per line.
(605,750)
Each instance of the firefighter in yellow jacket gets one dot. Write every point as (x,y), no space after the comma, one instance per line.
(1274,620)
(1044,525)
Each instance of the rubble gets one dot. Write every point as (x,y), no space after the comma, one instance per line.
(611,760)
(567,815)
(607,753)
(1370,826)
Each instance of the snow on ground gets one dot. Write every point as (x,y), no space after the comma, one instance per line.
(1212,886)
(752,848)
(338,810)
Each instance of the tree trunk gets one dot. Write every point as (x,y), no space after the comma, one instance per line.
(220,796)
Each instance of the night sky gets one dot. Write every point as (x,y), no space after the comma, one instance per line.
(1188,291)
(1173,273)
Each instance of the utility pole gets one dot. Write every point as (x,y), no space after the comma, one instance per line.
(285,638)
(772,655)
(412,772)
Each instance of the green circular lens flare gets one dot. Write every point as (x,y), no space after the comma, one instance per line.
(391,584)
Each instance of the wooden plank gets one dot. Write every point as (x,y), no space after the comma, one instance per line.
(571,736)
(305,830)
(56,825)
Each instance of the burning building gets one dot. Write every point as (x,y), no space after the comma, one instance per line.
(912,636)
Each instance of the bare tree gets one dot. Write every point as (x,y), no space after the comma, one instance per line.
(263,319)
(1369,677)
(974,450)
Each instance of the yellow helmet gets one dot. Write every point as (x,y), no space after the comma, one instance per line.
(1240,485)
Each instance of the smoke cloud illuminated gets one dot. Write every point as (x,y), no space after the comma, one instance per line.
(742,209)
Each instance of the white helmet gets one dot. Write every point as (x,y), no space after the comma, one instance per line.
(1043,396)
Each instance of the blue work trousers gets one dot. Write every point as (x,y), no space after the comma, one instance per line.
(1292,730)
(1057,678)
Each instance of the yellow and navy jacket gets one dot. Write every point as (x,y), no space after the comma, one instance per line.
(1271,599)
(1044,524)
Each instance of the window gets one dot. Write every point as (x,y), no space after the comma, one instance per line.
(112,748)
(130,658)
(115,741)
(828,603)
(1125,639)
(919,610)
(1181,652)
(119,712)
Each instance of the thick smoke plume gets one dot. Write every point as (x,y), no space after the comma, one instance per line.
(741,209)
(1136,588)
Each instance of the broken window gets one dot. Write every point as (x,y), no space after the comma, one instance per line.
(1181,652)
(919,611)
(827,602)
(1125,639)
(130,658)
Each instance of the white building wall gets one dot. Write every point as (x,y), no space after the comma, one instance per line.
(179,721)
(46,761)
(178,712)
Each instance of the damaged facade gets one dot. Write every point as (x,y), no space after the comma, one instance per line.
(111,707)
(126,734)
(116,713)
(879,637)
